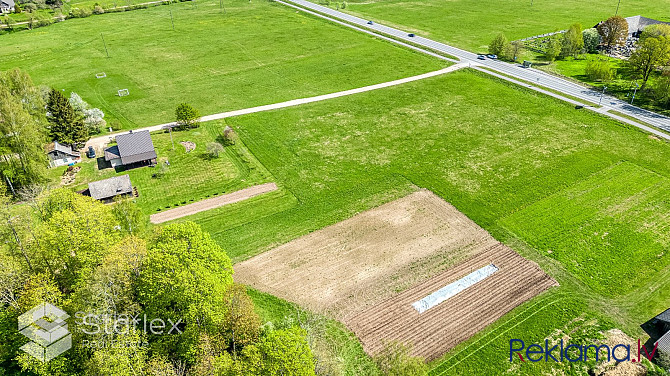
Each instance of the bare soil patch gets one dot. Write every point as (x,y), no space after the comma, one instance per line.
(188,145)
(442,327)
(357,263)
(367,271)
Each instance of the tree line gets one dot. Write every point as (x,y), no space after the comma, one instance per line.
(32,116)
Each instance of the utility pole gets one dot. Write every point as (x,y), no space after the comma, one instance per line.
(172,19)
(634,93)
(602,95)
(617,8)
(104,44)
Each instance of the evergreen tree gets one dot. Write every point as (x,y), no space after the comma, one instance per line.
(66,126)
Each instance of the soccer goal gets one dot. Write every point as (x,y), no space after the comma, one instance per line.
(100,75)
(123,92)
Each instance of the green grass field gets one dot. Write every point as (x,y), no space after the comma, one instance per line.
(505,166)
(472,24)
(253,54)
(191,177)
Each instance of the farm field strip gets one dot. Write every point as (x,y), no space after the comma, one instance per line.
(212,203)
(437,330)
(367,258)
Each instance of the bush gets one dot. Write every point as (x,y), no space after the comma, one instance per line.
(80,12)
(214,149)
(600,69)
(98,10)
(591,40)
(395,360)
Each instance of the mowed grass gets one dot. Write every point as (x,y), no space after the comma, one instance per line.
(255,53)
(472,24)
(192,176)
(492,149)
(610,230)
(490,155)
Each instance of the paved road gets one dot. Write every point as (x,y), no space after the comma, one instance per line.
(514,70)
(99,142)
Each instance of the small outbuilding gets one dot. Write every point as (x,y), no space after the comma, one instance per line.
(662,322)
(107,190)
(132,149)
(61,155)
(7,6)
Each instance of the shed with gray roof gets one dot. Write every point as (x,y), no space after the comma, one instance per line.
(106,190)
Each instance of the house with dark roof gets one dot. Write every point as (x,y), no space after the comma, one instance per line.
(61,155)
(662,321)
(7,6)
(132,149)
(637,24)
(107,190)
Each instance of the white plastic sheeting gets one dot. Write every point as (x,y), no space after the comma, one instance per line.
(454,288)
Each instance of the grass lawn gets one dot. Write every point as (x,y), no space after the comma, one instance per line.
(505,166)
(256,53)
(192,176)
(472,24)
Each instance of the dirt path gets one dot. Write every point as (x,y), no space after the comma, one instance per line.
(99,142)
(212,203)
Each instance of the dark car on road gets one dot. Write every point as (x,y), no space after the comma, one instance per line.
(370,23)
(90,152)
(411,35)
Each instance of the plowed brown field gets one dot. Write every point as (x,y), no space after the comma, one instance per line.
(367,271)
(368,258)
(440,328)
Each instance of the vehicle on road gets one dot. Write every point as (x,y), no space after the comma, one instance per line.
(370,23)
(481,57)
(411,35)
(90,152)
(491,56)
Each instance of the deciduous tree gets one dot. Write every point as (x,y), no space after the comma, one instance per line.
(652,53)
(614,31)
(573,41)
(187,116)
(185,276)
(499,45)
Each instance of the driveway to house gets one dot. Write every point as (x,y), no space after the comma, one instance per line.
(211,203)
(99,142)
(508,71)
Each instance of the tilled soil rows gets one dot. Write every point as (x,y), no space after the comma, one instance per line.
(368,258)
(366,271)
(437,330)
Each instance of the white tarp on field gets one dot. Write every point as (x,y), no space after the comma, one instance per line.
(454,288)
